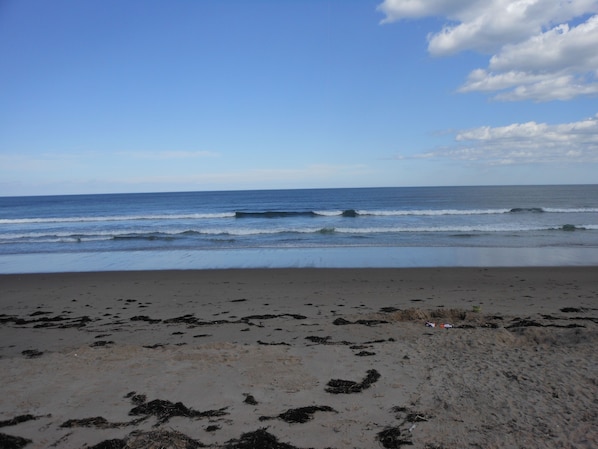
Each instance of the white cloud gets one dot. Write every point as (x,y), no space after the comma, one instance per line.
(537,53)
(525,143)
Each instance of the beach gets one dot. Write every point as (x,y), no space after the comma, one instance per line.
(301,358)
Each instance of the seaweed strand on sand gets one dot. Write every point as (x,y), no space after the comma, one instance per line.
(339,386)
(300,415)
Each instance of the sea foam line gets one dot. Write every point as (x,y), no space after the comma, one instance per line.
(182,233)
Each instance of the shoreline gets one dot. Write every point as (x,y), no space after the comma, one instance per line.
(308,357)
(326,257)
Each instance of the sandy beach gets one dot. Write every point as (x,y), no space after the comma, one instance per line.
(301,358)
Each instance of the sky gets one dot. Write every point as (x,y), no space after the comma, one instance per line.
(182,95)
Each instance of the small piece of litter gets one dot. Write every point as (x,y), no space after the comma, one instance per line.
(441,325)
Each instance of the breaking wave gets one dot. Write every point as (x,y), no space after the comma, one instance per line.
(275,214)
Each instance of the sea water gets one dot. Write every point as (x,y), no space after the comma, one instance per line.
(364,227)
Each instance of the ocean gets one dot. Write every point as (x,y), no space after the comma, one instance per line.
(361,227)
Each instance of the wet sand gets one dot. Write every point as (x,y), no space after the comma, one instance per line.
(301,358)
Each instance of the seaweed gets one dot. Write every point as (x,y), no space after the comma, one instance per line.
(326,341)
(339,386)
(17,420)
(365,353)
(299,415)
(31,353)
(264,343)
(192,320)
(573,309)
(341,322)
(259,439)
(319,340)
(99,343)
(519,323)
(111,444)
(344,322)
(269,317)
(393,437)
(97,421)
(164,410)
(12,442)
(249,399)
(161,439)
(100,422)
(189,319)
(45,322)
(145,318)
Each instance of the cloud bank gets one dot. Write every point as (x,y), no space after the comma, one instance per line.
(541,50)
(525,143)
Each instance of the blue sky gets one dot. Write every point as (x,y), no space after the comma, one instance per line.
(147,95)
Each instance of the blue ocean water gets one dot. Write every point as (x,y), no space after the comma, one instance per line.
(318,227)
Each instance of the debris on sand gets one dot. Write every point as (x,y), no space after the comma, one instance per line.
(264,343)
(158,439)
(100,423)
(47,322)
(18,420)
(249,399)
(164,410)
(344,322)
(573,309)
(394,437)
(111,444)
(260,439)
(32,353)
(12,442)
(326,341)
(145,318)
(97,421)
(338,386)
(161,439)
(300,415)
(365,353)
(99,343)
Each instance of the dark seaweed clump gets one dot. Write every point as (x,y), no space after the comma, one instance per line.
(154,439)
(365,353)
(393,437)
(339,386)
(32,353)
(161,409)
(344,322)
(573,309)
(259,439)
(17,420)
(300,415)
(111,444)
(12,442)
(164,410)
(100,422)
